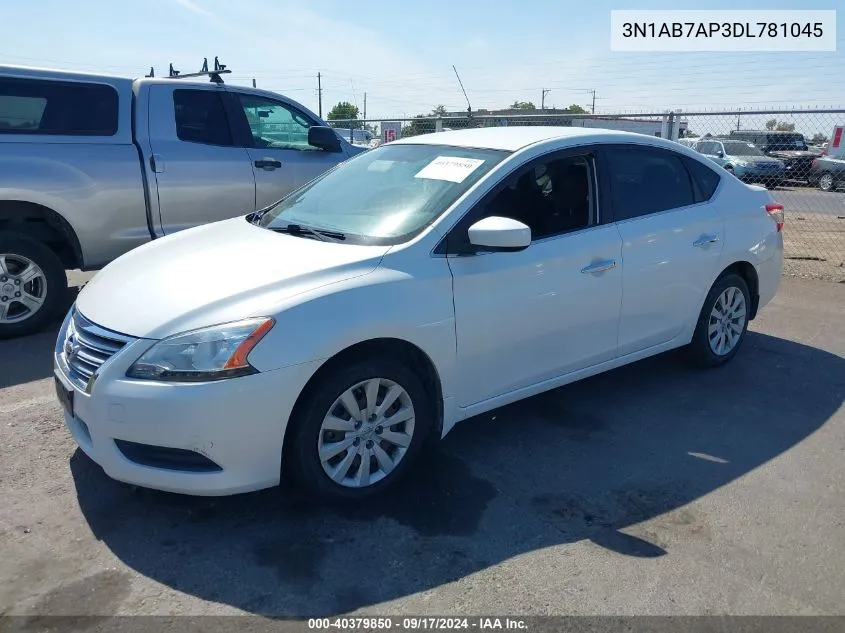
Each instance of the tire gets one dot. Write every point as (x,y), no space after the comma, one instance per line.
(301,460)
(700,350)
(827,182)
(50,286)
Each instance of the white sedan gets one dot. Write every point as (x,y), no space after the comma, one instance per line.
(331,335)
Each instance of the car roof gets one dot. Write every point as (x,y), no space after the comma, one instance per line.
(519,137)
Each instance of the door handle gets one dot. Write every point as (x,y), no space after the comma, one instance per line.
(157,163)
(268,163)
(704,240)
(599,267)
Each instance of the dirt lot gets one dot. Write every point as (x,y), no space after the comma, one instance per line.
(652,489)
(814,233)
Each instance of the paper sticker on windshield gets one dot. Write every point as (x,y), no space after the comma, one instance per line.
(451,168)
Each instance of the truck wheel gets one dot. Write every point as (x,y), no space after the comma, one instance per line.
(33,285)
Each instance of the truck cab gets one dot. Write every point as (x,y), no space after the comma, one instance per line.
(92,166)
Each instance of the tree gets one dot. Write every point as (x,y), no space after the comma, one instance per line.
(523,105)
(819,138)
(439,111)
(417,126)
(780,126)
(576,109)
(346,113)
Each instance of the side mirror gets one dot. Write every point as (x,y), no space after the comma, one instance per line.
(500,234)
(323,137)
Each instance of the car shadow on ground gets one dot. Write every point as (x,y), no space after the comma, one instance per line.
(585,461)
(29,358)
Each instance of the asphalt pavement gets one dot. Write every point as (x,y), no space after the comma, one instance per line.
(808,199)
(652,489)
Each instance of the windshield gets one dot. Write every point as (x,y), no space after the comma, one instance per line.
(742,149)
(787,142)
(385,195)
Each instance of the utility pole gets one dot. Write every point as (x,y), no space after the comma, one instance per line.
(737,120)
(320,95)
(543,98)
(253,82)
(365,106)
(593,108)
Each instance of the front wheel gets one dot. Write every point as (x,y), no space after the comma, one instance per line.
(722,323)
(358,430)
(33,285)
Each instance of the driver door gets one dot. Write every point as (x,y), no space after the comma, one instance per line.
(277,143)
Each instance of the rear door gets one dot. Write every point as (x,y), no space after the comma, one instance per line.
(275,133)
(201,175)
(672,235)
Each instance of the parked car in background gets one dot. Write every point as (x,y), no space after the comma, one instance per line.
(355,137)
(789,147)
(743,160)
(514,260)
(689,142)
(92,166)
(827,173)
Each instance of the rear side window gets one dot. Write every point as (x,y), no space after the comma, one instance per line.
(32,106)
(647,180)
(201,118)
(705,179)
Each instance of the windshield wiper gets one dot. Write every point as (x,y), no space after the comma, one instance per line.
(301,229)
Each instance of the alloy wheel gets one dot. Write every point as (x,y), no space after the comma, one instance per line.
(366,433)
(727,321)
(23,288)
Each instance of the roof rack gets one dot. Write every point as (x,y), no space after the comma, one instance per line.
(213,75)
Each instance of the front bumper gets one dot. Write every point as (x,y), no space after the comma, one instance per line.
(237,425)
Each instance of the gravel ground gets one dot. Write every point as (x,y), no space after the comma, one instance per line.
(814,233)
(653,489)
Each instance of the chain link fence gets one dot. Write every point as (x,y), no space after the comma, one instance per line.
(798,154)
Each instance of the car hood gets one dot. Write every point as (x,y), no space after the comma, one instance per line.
(792,154)
(212,274)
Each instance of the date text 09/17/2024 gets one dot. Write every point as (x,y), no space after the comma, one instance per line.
(417,623)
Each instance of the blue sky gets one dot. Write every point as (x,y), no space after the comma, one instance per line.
(401,53)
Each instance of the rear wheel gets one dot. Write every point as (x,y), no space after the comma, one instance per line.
(359,430)
(826,182)
(33,285)
(722,323)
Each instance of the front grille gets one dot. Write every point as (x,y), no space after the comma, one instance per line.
(86,347)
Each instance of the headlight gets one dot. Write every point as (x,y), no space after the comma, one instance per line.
(211,353)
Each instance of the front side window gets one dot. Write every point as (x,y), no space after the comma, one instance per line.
(275,125)
(201,118)
(647,180)
(385,195)
(32,106)
(554,196)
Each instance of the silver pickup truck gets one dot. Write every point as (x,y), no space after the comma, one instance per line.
(92,166)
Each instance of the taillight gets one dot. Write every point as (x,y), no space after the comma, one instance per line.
(813,162)
(775,211)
